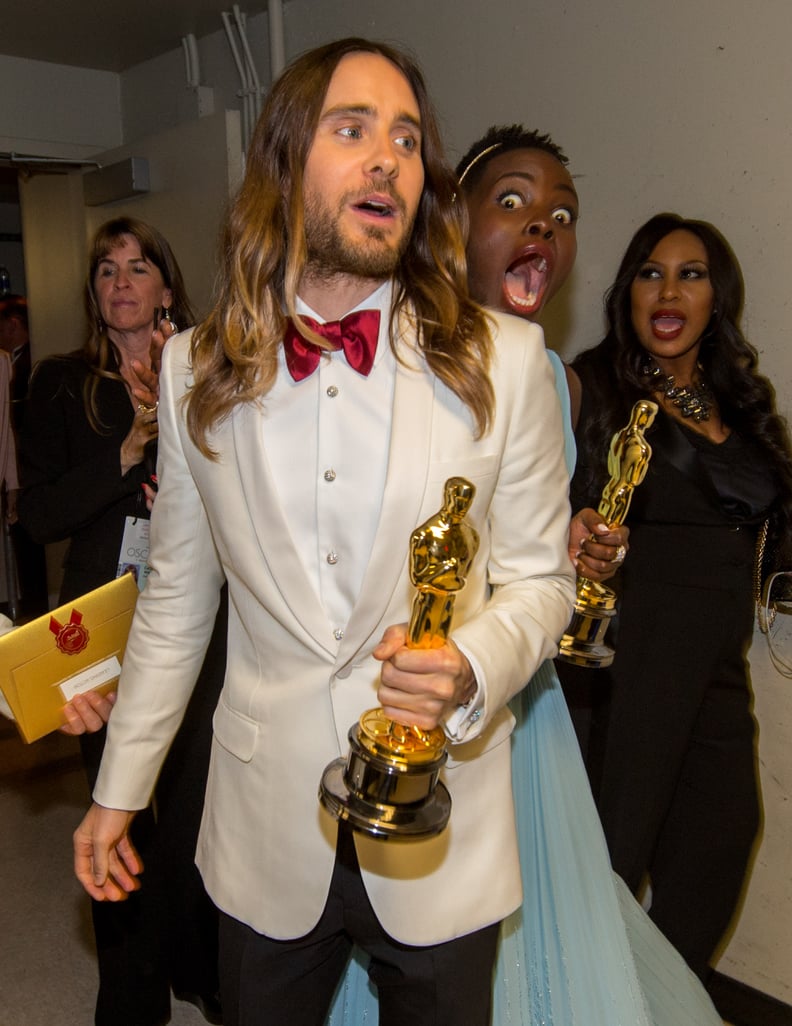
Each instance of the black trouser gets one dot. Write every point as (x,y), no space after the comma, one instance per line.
(679,797)
(269,983)
(31,567)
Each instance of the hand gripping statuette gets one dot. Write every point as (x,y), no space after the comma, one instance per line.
(388,785)
(595,604)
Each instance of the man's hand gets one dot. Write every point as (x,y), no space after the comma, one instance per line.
(105,860)
(596,550)
(421,686)
(88,712)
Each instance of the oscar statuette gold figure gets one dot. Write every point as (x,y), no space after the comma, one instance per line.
(388,785)
(595,604)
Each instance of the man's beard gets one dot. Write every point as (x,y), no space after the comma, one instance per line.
(331,254)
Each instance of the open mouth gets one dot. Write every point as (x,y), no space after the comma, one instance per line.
(378,208)
(666,325)
(525,283)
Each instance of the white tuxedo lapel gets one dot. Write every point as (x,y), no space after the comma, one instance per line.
(277,547)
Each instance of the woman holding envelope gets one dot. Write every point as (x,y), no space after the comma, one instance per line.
(87,453)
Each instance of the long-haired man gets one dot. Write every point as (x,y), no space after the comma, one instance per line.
(306,428)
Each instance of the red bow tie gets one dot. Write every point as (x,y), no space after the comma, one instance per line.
(356,334)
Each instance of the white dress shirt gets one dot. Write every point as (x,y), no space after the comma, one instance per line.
(329,469)
(331,459)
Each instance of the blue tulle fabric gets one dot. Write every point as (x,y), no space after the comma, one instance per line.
(580,951)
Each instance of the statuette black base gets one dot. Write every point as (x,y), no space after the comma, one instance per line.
(582,643)
(384,797)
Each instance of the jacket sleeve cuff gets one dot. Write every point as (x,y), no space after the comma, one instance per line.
(466,721)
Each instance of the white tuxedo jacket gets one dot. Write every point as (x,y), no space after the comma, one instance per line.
(292,691)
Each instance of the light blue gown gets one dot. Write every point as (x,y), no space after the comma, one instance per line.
(580,951)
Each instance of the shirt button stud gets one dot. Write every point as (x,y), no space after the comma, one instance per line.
(332,391)
(332,557)
(330,475)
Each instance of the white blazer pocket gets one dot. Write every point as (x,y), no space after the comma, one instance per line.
(236,733)
(482,471)
(475,469)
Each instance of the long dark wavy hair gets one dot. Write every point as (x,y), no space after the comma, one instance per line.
(98,351)
(235,350)
(746,399)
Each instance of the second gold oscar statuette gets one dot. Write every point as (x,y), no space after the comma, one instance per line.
(595,604)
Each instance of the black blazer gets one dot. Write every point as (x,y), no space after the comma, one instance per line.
(72,486)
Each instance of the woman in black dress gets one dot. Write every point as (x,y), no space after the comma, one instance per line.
(87,449)
(678,794)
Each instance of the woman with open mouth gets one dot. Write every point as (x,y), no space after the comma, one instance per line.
(581,948)
(678,795)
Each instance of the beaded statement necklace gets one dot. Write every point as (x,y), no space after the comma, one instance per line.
(694,401)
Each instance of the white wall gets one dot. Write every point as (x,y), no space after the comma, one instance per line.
(55,109)
(680,107)
(53,230)
(760,950)
(155,96)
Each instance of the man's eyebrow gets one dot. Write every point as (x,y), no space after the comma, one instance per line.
(364,110)
(342,109)
(410,119)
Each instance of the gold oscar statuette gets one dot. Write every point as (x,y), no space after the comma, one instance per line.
(595,604)
(388,786)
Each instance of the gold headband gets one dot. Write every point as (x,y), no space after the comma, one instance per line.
(477,158)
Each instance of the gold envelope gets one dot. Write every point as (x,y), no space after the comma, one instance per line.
(75,648)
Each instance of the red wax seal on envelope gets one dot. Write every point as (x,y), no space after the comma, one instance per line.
(71,637)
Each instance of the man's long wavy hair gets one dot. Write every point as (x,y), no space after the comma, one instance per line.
(98,351)
(729,363)
(235,350)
